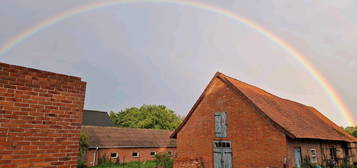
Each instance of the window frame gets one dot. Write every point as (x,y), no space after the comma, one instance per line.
(153,152)
(222,125)
(222,144)
(138,154)
(116,155)
(313,156)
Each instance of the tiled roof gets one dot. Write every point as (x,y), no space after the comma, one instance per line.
(115,137)
(96,118)
(297,120)
(300,120)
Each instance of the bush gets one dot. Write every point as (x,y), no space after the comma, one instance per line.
(306,163)
(83,145)
(107,164)
(164,160)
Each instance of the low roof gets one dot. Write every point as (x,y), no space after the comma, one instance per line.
(295,119)
(115,137)
(96,118)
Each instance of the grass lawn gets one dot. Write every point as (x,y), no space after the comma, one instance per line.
(148,164)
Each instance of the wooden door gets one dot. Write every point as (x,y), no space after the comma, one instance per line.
(222,154)
(297,153)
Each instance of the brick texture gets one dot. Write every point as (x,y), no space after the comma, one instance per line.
(188,163)
(322,150)
(40,117)
(255,141)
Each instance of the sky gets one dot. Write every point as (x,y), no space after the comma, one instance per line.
(165,53)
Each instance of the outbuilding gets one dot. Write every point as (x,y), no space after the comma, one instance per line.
(122,145)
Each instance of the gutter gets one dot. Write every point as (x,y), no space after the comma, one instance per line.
(109,147)
(94,155)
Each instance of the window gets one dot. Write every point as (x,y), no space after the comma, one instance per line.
(222,144)
(220,124)
(333,153)
(153,153)
(313,155)
(114,155)
(169,153)
(135,154)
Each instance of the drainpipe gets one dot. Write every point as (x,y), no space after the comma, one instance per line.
(94,155)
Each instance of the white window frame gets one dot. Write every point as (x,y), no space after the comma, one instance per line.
(153,152)
(138,154)
(313,155)
(116,155)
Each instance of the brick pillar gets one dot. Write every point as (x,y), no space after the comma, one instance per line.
(40,117)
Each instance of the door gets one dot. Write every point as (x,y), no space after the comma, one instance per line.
(218,159)
(222,154)
(297,152)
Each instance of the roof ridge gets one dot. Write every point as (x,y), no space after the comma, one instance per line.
(284,130)
(315,112)
(188,116)
(97,111)
(271,94)
(294,119)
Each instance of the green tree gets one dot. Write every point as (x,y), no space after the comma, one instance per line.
(352,130)
(354,133)
(147,116)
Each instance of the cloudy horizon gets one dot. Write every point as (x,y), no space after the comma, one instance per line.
(161,53)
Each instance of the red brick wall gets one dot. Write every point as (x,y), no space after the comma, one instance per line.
(125,154)
(255,141)
(322,149)
(40,117)
(353,152)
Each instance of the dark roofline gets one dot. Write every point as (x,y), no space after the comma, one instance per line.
(97,111)
(95,117)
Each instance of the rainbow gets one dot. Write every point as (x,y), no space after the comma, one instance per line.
(333,95)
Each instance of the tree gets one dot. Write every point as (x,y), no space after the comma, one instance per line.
(352,130)
(147,116)
(354,133)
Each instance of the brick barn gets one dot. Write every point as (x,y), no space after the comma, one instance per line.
(234,124)
(121,145)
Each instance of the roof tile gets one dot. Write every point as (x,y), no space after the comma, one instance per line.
(115,137)
(300,120)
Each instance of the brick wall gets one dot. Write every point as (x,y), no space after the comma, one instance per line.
(188,163)
(125,154)
(255,141)
(353,152)
(40,117)
(322,149)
